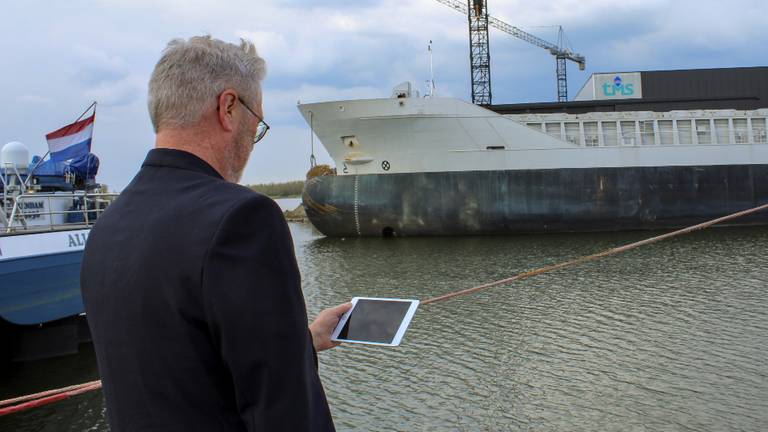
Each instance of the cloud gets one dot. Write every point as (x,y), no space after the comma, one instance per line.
(34,99)
(119,93)
(335,49)
(97,67)
(281,104)
(290,55)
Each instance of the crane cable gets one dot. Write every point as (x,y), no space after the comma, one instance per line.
(24,403)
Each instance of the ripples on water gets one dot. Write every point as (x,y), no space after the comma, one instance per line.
(666,337)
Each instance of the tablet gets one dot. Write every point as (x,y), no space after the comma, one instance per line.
(375,321)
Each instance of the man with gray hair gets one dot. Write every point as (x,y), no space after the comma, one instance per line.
(190,281)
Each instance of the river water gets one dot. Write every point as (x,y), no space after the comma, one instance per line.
(670,336)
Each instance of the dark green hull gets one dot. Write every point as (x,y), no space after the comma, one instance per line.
(532,201)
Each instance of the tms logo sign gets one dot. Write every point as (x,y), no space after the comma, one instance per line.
(618,88)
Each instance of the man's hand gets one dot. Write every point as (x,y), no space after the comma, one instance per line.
(322,327)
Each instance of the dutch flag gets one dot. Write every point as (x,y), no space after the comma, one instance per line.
(71,141)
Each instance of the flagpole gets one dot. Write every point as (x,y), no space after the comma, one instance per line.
(88,166)
(29,176)
(93,105)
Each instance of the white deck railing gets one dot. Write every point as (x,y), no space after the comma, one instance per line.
(24,209)
(592,132)
(42,211)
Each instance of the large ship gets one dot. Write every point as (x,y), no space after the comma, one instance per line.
(633,150)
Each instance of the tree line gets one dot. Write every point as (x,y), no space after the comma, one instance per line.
(280,190)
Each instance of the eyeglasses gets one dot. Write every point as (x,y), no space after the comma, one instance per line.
(262,128)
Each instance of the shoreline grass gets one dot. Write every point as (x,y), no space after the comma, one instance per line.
(290,189)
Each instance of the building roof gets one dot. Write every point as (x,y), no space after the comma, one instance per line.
(743,88)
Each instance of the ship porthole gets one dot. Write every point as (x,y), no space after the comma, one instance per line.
(388,232)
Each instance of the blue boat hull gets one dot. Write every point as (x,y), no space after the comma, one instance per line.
(531,201)
(40,289)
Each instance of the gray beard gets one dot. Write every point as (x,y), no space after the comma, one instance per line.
(240,152)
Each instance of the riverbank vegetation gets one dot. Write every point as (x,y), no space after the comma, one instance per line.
(289,189)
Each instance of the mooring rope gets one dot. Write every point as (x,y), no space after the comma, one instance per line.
(47,397)
(24,403)
(44,394)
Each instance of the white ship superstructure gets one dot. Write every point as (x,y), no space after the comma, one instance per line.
(440,134)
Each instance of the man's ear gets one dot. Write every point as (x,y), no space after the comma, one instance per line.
(225,109)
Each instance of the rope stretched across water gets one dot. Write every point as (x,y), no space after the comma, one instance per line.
(605,253)
(24,403)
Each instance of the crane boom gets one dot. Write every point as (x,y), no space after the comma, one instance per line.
(535,40)
(561,54)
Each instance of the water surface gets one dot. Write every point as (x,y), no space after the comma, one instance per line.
(666,337)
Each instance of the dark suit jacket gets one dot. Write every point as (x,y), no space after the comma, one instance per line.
(194,300)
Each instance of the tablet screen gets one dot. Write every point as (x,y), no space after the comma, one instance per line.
(375,321)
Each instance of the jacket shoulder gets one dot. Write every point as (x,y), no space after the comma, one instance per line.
(248,209)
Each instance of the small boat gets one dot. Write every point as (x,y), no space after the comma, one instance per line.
(46,213)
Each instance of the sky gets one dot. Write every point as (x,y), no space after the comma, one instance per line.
(58,57)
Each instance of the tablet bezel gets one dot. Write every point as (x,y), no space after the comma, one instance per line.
(400,331)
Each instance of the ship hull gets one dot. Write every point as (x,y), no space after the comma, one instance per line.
(41,288)
(533,201)
(41,308)
(40,275)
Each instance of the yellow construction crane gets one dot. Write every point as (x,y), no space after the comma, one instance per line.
(479,52)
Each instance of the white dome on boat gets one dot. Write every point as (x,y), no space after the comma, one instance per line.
(15,154)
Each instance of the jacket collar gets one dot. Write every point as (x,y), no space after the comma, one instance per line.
(165,157)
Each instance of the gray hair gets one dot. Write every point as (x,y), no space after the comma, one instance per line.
(192,73)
